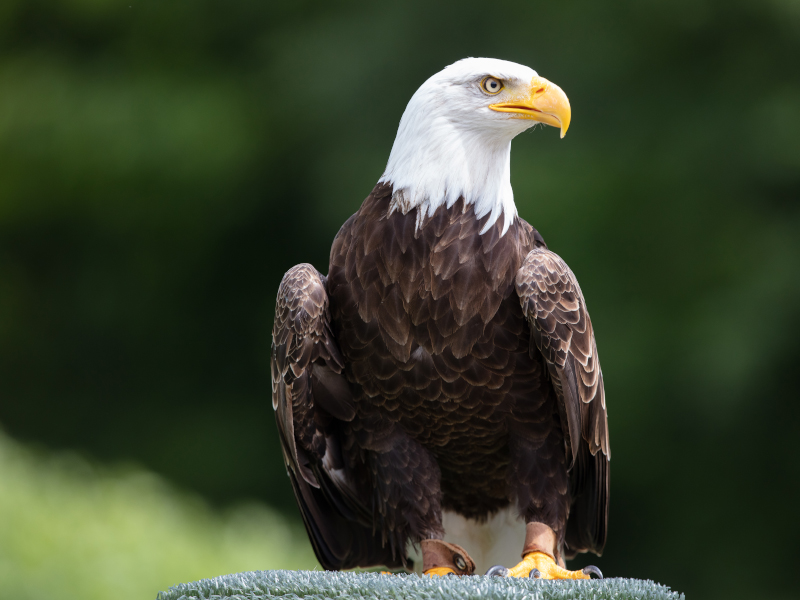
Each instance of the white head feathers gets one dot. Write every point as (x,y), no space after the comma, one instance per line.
(450,144)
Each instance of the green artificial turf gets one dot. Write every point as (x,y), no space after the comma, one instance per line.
(319,585)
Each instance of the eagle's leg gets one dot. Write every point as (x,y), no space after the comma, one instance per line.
(407,492)
(538,476)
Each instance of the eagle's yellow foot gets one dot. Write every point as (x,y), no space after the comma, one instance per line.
(542,566)
(440,571)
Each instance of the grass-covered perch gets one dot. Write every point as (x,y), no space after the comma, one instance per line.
(319,585)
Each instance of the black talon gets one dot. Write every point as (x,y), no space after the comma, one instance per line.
(497,571)
(535,573)
(592,570)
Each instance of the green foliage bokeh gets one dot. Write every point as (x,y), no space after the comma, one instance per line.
(162,164)
(71,530)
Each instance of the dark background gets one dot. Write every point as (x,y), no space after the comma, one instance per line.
(162,164)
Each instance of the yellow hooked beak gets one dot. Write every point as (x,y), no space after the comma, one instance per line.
(543,101)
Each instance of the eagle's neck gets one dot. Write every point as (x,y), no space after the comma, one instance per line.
(435,161)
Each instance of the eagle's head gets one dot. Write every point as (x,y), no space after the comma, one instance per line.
(454,139)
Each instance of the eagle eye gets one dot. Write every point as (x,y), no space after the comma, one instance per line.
(491,85)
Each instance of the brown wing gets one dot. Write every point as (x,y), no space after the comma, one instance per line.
(311,399)
(561,332)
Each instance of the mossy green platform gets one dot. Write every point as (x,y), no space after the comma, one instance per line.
(319,585)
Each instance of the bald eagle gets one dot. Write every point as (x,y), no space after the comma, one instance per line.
(441,384)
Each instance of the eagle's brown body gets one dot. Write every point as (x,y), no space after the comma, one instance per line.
(436,348)
(437,368)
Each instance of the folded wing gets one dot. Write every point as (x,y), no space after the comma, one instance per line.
(312,400)
(561,333)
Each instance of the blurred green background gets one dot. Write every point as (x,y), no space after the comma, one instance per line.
(162,164)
